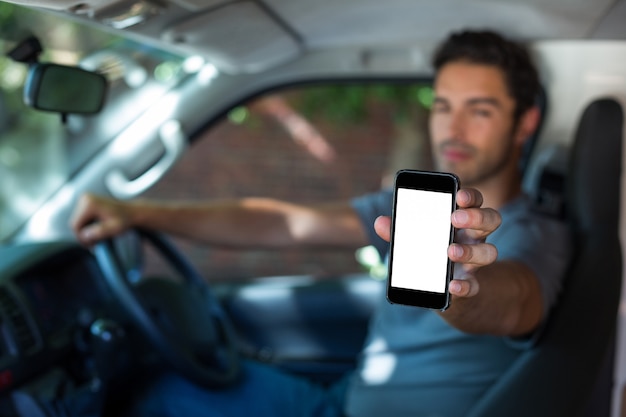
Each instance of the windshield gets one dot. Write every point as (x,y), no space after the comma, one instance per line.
(38,151)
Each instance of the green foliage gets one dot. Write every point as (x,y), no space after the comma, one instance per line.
(350,103)
(346,104)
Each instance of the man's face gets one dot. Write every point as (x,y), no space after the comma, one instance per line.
(471,123)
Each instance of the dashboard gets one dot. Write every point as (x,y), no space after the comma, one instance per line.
(49,295)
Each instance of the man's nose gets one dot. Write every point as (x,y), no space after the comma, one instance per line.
(456,126)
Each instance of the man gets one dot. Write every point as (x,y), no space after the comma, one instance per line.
(415,362)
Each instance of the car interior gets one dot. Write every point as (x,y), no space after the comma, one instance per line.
(165,99)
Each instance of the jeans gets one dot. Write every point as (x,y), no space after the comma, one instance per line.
(262,392)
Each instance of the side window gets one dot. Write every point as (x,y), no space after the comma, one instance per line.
(305,145)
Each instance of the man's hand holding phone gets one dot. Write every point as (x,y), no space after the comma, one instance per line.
(469,250)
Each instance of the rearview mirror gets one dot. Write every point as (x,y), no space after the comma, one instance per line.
(64,89)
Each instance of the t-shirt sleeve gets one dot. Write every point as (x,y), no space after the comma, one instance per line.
(369,207)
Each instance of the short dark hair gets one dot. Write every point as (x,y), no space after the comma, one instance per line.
(490,48)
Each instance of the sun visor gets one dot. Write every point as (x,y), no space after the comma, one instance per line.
(237,37)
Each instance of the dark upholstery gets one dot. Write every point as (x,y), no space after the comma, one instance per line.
(558,376)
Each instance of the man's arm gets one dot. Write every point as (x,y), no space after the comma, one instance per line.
(503,298)
(245,223)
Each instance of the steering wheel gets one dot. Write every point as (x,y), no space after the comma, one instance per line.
(184,321)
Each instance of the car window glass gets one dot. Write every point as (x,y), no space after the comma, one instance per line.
(308,144)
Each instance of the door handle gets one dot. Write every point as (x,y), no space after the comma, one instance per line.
(174,142)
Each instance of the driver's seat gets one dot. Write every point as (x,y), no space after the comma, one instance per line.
(557,377)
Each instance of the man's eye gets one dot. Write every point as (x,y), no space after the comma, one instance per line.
(440,109)
(481,113)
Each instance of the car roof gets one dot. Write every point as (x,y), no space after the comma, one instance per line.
(252,36)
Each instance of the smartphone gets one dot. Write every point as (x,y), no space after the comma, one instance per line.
(421,231)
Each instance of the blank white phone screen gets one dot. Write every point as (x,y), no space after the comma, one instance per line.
(421,240)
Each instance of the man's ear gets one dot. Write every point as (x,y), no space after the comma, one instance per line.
(527,124)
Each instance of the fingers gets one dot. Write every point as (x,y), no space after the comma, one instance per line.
(465,286)
(477,223)
(470,251)
(469,197)
(382,226)
(82,213)
(472,255)
(95,232)
(96,218)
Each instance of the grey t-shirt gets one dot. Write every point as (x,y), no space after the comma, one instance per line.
(414,363)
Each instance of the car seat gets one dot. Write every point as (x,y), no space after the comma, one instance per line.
(557,377)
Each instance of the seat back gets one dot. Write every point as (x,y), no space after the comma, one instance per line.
(557,376)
